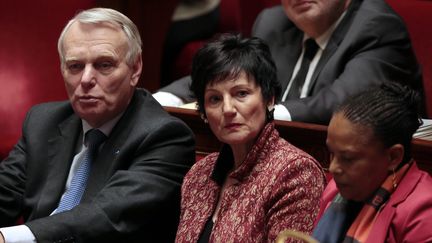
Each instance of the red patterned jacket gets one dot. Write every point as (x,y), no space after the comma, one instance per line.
(277,187)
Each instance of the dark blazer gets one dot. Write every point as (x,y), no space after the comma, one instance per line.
(370,45)
(133,192)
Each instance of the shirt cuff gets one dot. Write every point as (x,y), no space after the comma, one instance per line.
(281,113)
(18,234)
(168,99)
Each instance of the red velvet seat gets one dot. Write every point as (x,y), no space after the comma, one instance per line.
(229,22)
(418,18)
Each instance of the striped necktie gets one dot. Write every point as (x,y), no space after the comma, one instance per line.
(72,197)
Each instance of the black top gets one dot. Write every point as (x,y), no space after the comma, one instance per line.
(205,234)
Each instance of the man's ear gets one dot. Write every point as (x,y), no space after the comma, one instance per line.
(137,69)
(396,155)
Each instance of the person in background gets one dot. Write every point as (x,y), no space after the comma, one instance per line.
(258,184)
(106,165)
(351,45)
(192,20)
(377,194)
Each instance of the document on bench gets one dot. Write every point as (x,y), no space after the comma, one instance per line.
(192,106)
(425,130)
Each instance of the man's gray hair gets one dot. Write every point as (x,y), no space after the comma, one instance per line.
(106,15)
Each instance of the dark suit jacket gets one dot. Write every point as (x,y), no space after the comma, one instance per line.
(133,193)
(371,45)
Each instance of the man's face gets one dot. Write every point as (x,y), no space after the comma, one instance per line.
(98,79)
(315,15)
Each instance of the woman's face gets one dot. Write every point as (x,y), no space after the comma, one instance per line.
(235,110)
(360,163)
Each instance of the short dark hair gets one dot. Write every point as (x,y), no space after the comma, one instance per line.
(391,110)
(229,55)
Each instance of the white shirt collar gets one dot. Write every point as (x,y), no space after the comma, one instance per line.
(106,128)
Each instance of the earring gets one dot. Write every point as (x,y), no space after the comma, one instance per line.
(204,118)
(394,179)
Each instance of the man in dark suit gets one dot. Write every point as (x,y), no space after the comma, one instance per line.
(132,193)
(361,43)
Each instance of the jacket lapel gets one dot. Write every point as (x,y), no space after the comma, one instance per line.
(327,53)
(406,186)
(289,50)
(336,38)
(104,165)
(62,149)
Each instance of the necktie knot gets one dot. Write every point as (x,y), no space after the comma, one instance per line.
(94,138)
(311,47)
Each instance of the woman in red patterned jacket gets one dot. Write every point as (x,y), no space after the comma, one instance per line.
(258,184)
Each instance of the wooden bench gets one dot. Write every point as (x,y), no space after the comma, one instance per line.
(309,137)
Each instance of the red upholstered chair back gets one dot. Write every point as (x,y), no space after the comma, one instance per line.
(230,18)
(236,16)
(29,63)
(250,10)
(417,15)
(239,15)
(230,21)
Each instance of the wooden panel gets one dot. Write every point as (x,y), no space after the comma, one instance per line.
(206,142)
(309,137)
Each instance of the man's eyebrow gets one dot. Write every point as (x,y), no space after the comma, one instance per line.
(71,59)
(105,57)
